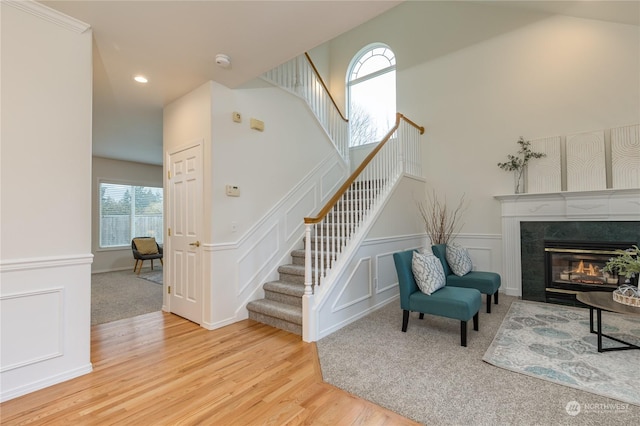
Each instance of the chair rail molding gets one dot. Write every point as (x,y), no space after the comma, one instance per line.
(11,265)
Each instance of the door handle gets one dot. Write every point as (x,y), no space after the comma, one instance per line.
(197,244)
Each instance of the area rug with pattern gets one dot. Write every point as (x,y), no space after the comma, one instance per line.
(553,342)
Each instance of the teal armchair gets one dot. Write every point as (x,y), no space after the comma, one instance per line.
(486,282)
(450,302)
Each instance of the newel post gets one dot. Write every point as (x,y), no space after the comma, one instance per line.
(309,333)
(400,144)
(308,284)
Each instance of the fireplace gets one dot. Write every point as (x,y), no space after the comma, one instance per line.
(530,219)
(574,266)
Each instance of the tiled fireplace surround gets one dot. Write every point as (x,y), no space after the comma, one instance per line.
(529,219)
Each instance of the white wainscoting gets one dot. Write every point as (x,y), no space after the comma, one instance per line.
(370,280)
(45,308)
(238,270)
(485,251)
(363,287)
(46,338)
(358,286)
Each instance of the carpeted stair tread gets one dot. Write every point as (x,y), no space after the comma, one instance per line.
(291,289)
(291,269)
(292,273)
(298,257)
(278,310)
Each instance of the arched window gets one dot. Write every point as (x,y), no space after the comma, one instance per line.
(371,94)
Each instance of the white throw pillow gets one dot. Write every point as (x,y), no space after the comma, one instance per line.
(428,272)
(425,250)
(458,259)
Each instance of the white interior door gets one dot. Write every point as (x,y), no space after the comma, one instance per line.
(185,223)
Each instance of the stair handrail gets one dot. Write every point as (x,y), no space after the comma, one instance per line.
(324,86)
(345,186)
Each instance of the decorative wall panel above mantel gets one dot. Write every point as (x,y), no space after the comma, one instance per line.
(586,161)
(586,166)
(625,157)
(545,174)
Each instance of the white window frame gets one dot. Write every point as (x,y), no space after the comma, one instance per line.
(101,181)
(354,62)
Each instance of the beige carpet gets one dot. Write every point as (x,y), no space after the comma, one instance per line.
(121,294)
(424,374)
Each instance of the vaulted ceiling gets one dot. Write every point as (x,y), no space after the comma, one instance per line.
(174,44)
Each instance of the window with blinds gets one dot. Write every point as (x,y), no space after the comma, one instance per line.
(128,211)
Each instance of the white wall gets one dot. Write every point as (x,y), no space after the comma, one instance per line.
(127,173)
(265,165)
(479,76)
(520,85)
(46,198)
(278,175)
(321,57)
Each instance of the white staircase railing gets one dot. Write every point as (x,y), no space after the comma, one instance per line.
(328,234)
(300,77)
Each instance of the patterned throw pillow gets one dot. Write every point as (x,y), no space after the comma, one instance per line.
(459,260)
(428,272)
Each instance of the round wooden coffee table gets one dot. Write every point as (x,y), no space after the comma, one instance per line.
(603,301)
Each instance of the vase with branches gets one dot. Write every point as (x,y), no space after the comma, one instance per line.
(518,163)
(441,222)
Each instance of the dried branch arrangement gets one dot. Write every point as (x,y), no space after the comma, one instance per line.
(440,222)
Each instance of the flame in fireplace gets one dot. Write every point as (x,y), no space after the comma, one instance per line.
(589,270)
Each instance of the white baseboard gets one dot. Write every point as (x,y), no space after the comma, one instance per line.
(49,381)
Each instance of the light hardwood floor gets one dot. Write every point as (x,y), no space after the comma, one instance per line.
(160,369)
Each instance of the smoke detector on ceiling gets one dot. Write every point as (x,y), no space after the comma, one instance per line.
(223,61)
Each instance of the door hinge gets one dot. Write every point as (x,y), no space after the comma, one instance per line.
(169,231)
(169,289)
(169,174)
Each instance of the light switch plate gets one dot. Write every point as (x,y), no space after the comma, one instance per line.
(232,190)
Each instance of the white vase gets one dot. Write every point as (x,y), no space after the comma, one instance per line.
(518,181)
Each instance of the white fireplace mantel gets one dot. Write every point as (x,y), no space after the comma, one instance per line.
(601,205)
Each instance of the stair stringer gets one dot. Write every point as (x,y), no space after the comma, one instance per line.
(318,186)
(315,308)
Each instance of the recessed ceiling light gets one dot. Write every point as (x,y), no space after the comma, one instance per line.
(140,79)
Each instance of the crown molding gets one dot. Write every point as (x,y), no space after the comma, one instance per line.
(49,14)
